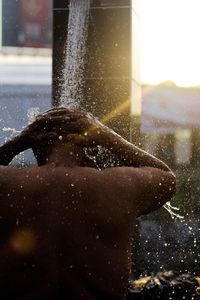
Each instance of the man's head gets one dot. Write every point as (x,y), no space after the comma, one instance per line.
(61,151)
(57,139)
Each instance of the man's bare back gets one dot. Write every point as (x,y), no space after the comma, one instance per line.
(67,229)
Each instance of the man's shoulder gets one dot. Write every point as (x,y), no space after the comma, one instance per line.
(73,173)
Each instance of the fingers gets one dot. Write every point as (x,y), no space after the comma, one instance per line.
(71,126)
(55,112)
(61,121)
(46,123)
(81,140)
(76,139)
(47,139)
(61,111)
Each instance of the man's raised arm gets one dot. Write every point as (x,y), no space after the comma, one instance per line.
(41,131)
(9,150)
(92,132)
(143,177)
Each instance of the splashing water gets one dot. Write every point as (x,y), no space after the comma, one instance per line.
(20,157)
(172,210)
(32,113)
(75,50)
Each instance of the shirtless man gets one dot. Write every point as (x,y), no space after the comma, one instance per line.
(66,228)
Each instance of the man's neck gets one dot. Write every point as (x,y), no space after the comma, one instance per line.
(67,156)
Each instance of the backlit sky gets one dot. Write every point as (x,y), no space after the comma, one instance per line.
(170,41)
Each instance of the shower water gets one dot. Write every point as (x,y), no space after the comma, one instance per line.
(75,49)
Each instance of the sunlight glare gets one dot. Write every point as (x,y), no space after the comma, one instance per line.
(170,44)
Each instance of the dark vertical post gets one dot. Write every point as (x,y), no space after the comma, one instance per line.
(107,75)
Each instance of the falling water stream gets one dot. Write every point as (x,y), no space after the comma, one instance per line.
(75,50)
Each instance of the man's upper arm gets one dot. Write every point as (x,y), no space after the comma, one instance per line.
(146,188)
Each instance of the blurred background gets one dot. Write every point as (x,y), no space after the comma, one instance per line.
(25,64)
(164,103)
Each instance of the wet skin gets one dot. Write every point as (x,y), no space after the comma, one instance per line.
(67,229)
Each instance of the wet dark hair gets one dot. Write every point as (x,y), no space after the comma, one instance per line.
(43,151)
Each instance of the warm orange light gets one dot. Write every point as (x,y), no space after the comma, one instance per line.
(23,241)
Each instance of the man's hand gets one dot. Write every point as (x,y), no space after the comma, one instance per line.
(45,129)
(80,126)
(77,125)
(85,130)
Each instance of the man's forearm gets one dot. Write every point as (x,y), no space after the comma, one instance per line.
(10,149)
(129,154)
